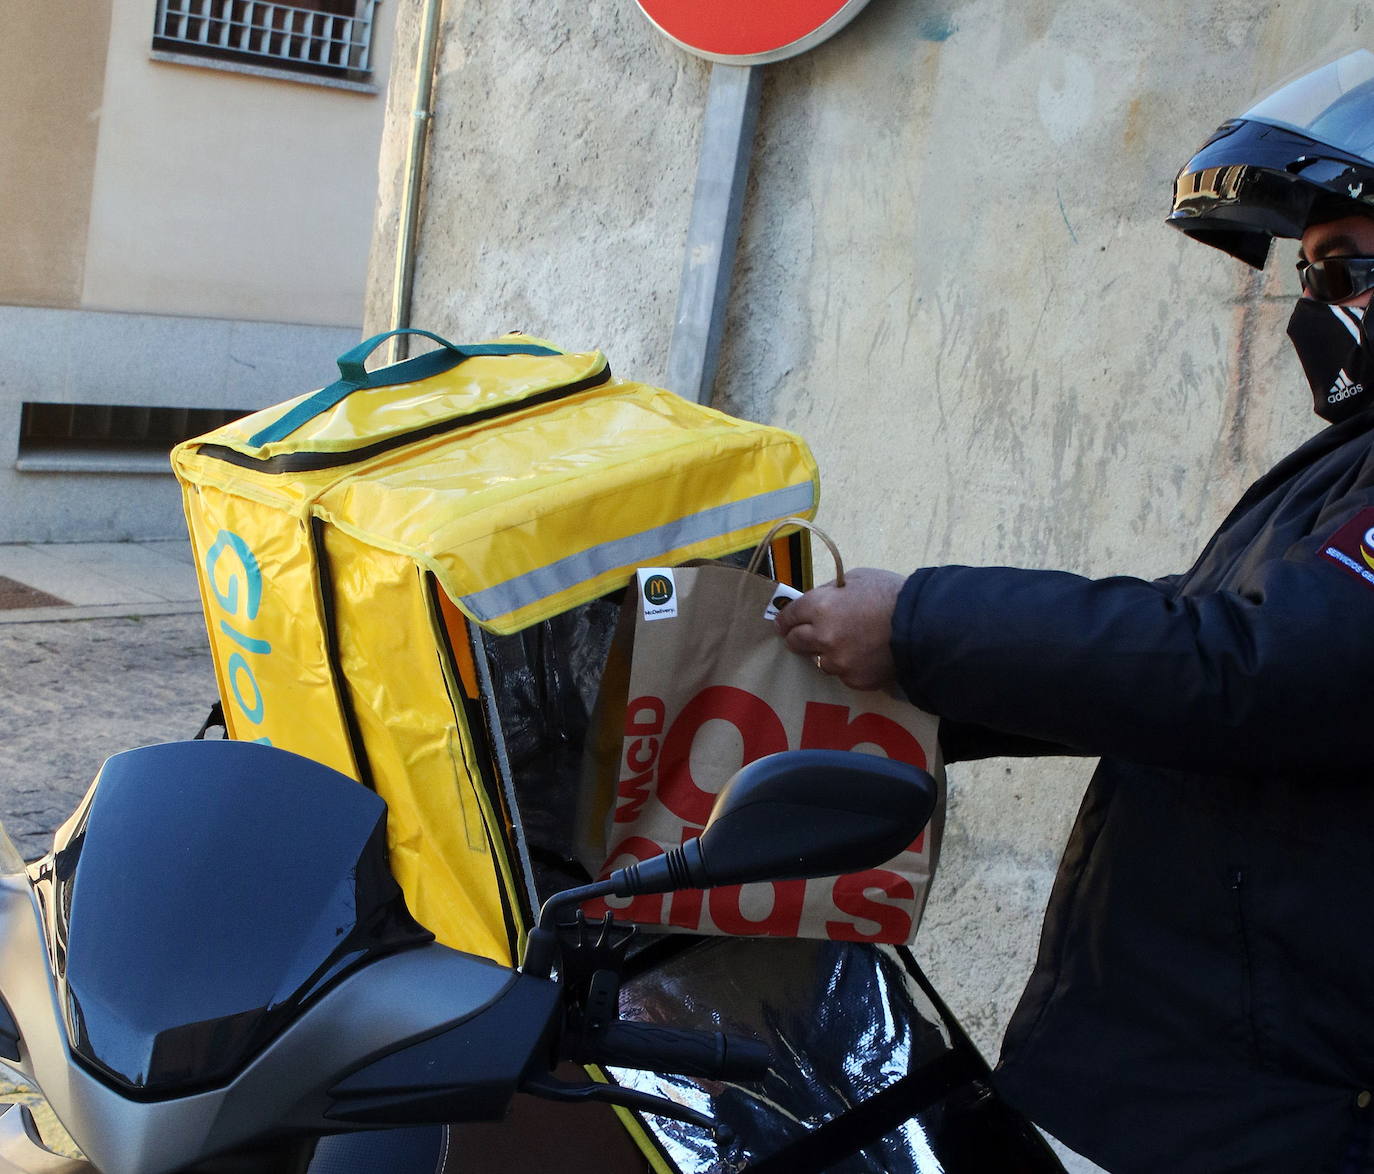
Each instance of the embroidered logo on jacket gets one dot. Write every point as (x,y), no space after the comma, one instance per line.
(1343,389)
(1352,546)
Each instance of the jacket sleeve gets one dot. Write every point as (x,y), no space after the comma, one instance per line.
(1276,680)
(967,741)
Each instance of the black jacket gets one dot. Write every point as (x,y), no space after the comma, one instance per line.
(1203,1000)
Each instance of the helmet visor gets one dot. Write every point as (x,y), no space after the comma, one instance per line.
(1333,105)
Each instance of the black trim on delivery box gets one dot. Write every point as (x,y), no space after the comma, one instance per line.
(331,648)
(309,462)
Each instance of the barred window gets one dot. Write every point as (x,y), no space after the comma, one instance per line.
(329,38)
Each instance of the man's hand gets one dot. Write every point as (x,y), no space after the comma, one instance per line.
(848,630)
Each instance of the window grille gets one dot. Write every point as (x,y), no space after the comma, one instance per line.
(283,35)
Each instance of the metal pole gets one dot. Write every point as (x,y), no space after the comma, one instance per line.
(408,229)
(727,139)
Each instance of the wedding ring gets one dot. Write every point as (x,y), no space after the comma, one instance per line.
(820,666)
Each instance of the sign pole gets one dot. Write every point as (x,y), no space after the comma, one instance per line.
(740,39)
(727,140)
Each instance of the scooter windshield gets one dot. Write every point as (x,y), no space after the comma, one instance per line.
(11,862)
(204,894)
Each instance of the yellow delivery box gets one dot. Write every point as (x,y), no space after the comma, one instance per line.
(380,561)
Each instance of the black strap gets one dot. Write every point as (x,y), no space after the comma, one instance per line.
(851,1131)
(214,720)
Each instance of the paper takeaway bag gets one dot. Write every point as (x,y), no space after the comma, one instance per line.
(698,684)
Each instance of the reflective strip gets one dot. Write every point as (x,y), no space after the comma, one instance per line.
(637,549)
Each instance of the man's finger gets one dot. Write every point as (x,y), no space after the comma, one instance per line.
(803,609)
(798,611)
(802,639)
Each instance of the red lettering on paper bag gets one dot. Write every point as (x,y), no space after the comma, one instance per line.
(893,921)
(759,727)
(641,754)
(828,727)
(634,793)
(875,906)
(643,722)
(644,715)
(783,920)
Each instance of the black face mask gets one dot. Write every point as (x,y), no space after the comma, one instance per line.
(1334,350)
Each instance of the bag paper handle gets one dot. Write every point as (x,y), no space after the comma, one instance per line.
(757,560)
(354,375)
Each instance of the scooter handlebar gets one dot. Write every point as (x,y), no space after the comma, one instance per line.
(709,1054)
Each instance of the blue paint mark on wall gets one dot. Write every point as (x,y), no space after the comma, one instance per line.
(1064,213)
(936,28)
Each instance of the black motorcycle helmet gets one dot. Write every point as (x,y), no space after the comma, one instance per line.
(1301,156)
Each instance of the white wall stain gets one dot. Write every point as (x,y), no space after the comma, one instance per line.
(1065,96)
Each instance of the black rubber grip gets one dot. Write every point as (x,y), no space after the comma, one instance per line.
(710,1054)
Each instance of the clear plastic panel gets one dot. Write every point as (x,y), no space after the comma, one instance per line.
(843,1022)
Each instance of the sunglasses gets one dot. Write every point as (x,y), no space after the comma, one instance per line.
(1336,278)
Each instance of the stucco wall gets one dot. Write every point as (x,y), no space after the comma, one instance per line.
(953,280)
(559,180)
(52,73)
(225,195)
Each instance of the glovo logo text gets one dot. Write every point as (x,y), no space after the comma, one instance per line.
(235,580)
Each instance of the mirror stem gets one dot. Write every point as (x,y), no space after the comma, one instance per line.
(541,947)
(680,868)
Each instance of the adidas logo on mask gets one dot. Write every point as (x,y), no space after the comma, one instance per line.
(1343,389)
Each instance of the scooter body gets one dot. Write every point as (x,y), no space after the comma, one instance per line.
(213,968)
(214,944)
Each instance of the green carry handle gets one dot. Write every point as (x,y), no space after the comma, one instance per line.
(351,369)
(353,375)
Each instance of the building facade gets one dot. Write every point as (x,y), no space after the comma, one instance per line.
(189,192)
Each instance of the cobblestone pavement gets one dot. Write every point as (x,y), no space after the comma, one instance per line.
(74,692)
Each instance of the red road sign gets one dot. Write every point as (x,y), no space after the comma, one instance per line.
(749,32)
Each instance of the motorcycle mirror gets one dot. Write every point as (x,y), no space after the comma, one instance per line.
(797,814)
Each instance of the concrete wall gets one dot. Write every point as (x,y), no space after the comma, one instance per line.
(87,357)
(953,280)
